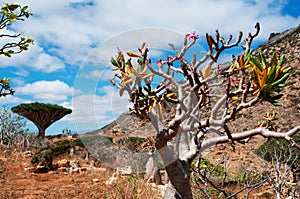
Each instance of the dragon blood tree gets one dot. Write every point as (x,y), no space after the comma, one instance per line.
(179,140)
(42,115)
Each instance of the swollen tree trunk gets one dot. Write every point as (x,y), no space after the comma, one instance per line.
(179,177)
(41,133)
(178,170)
(178,173)
(41,136)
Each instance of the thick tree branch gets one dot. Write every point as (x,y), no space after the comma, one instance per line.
(247,134)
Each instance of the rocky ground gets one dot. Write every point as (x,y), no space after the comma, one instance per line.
(18,180)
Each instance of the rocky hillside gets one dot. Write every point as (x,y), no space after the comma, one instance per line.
(286,43)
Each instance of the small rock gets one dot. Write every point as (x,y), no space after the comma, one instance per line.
(74,170)
(29,169)
(96,169)
(222,147)
(112,179)
(96,180)
(28,154)
(74,164)
(115,130)
(63,163)
(53,172)
(40,169)
(64,169)
(82,169)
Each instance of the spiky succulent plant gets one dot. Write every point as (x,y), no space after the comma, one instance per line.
(269,77)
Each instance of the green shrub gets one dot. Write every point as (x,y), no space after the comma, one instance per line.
(43,158)
(78,142)
(96,140)
(132,143)
(61,147)
(268,149)
(217,170)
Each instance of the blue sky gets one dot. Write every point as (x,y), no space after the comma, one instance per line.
(74,39)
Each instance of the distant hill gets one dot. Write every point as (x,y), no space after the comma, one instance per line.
(286,43)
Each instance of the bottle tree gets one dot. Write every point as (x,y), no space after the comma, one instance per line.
(12,43)
(248,81)
(42,115)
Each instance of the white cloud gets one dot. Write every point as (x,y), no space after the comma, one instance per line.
(96,110)
(48,91)
(35,58)
(21,72)
(47,63)
(93,74)
(11,99)
(18,81)
(74,29)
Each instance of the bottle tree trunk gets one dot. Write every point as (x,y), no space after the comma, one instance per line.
(179,186)
(41,136)
(178,173)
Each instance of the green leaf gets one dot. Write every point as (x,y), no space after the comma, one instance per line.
(273,59)
(27,14)
(275,103)
(114,62)
(263,59)
(10,52)
(256,63)
(24,8)
(271,75)
(271,123)
(281,80)
(282,85)
(281,61)
(247,55)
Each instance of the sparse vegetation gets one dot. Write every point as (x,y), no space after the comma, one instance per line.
(61,147)
(286,154)
(12,130)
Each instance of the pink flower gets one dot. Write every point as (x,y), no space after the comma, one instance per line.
(192,35)
(160,61)
(119,50)
(171,59)
(234,80)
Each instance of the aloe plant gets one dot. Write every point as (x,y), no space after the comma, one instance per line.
(269,77)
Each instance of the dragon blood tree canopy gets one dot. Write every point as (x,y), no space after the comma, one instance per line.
(42,115)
